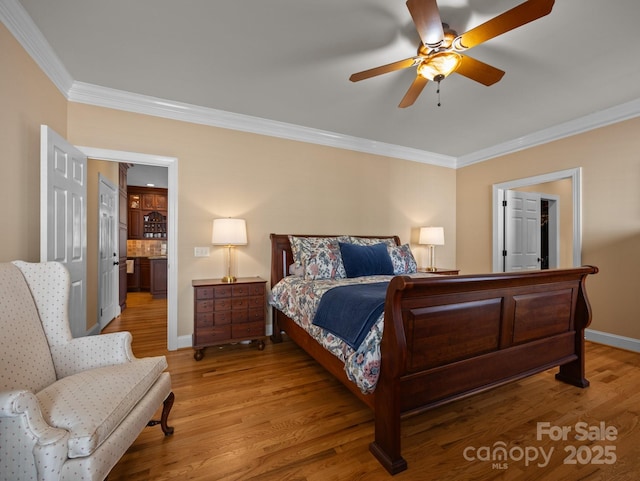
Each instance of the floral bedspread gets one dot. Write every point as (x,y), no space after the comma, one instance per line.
(298,299)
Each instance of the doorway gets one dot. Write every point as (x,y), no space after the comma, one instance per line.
(171,163)
(573,239)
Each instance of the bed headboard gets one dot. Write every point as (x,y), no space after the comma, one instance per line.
(282,258)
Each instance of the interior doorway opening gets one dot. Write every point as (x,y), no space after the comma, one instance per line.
(570,236)
(171,163)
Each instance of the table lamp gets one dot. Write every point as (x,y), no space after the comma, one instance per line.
(229,232)
(431,237)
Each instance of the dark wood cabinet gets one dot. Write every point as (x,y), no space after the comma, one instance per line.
(135,224)
(133,277)
(145,273)
(225,313)
(140,278)
(147,213)
(158,277)
(154,200)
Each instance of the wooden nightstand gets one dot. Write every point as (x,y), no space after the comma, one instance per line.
(440,270)
(224,313)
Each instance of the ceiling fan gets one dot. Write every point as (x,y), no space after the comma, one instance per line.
(440,53)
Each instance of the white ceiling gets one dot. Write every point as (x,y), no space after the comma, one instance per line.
(290,60)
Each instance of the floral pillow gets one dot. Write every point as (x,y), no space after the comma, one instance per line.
(369,241)
(402,260)
(319,257)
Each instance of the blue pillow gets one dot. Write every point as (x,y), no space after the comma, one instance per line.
(366,260)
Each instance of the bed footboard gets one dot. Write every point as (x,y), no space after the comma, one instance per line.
(449,337)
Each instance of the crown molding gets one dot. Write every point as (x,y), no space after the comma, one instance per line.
(143,104)
(592,121)
(20,24)
(22,27)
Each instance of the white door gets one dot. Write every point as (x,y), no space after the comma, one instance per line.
(108,256)
(63,217)
(522,231)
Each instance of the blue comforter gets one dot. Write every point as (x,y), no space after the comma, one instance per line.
(350,311)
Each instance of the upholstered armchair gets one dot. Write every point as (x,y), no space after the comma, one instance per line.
(69,408)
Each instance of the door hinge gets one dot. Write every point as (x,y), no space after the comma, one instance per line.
(504,253)
(504,203)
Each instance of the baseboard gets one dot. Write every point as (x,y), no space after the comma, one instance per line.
(185,341)
(627,343)
(94,331)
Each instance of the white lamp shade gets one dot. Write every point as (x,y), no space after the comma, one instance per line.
(432,236)
(229,232)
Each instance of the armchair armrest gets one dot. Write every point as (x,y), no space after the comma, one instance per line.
(91,352)
(38,447)
(25,404)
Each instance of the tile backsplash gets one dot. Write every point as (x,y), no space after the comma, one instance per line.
(146,248)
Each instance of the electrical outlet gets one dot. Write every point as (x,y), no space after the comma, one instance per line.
(201,252)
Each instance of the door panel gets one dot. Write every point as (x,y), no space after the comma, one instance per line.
(63,217)
(108,258)
(522,231)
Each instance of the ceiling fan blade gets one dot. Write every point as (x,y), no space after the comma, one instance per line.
(413,92)
(479,71)
(399,65)
(426,18)
(522,14)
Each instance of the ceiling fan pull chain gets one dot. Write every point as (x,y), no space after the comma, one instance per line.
(438,92)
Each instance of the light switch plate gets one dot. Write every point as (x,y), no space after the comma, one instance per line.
(201,251)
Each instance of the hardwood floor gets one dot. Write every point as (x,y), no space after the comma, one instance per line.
(244,414)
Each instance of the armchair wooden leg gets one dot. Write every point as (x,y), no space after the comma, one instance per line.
(168,404)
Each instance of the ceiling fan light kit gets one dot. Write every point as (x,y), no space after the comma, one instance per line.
(440,53)
(439,65)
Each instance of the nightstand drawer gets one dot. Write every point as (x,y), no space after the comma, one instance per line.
(204,293)
(204,320)
(247,329)
(211,335)
(222,291)
(248,290)
(223,317)
(256,314)
(209,319)
(204,306)
(256,301)
(239,303)
(223,304)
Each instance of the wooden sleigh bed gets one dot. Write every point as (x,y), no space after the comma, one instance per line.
(448,337)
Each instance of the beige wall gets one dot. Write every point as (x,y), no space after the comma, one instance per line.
(611,213)
(277,185)
(27,99)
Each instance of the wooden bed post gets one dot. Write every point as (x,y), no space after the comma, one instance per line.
(386,446)
(574,372)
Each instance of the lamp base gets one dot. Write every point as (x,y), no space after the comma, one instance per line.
(430,269)
(229,279)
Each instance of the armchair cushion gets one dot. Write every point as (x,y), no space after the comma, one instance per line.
(92,403)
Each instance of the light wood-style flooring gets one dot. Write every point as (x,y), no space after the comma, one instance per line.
(243,414)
